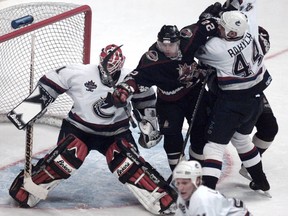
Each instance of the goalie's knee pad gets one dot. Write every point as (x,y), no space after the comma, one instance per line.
(59,164)
(150,188)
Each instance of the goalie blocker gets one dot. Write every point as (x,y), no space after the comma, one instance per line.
(31,108)
(149,187)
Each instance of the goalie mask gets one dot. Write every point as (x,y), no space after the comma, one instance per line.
(114,65)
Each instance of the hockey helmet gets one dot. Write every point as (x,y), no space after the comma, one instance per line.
(234,21)
(169,34)
(188,170)
(114,65)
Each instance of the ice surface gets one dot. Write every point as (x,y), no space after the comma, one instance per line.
(94,190)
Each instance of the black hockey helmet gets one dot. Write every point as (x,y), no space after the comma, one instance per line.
(169,34)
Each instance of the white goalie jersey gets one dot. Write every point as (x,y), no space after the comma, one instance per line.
(93,110)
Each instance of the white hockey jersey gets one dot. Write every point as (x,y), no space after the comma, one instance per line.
(239,64)
(93,110)
(208,202)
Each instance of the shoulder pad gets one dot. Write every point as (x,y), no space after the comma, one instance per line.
(152,55)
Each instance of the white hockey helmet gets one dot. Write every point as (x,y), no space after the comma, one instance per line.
(188,170)
(234,21)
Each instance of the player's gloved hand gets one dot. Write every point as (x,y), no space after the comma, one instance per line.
(213,10)
(203,70)
(264,39)
(231,5)
(121,94)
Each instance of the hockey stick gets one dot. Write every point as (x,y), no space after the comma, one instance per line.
(29,185)
(111,81)
(201,93)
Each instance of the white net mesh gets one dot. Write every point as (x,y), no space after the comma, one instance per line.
(62,36)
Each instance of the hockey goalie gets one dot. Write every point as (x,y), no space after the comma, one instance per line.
(93,123)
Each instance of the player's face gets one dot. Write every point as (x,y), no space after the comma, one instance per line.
(226,35)
(170,50)
(221,31)
(185,188)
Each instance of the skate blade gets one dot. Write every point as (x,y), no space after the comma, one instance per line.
(264,193)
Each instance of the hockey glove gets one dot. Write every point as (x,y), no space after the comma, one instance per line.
(231,5)
(264,40)
(213,10)
(121,94)
(148,125)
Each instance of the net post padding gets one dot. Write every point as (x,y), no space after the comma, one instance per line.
(63,36)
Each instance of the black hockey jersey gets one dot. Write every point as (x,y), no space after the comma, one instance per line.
(155,69)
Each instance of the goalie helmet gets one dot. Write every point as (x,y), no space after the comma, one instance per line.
(234,21)
(188,170)
(114,65)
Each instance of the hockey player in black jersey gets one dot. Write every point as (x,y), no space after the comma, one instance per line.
(169,64)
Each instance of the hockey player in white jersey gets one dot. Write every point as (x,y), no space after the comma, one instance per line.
(94,123)
(196,199)
(266,125)
(242,77)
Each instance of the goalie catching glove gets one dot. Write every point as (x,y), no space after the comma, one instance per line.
(148,125)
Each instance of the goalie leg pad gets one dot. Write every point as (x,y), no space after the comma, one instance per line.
(59,164)
(149,187)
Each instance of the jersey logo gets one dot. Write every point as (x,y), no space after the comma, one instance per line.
(90,86)
(152,55)
(186,33)
(104,107)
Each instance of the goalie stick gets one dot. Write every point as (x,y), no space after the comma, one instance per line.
(28,183)
(104,65)
(209,71)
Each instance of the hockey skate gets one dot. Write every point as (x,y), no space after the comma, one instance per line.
(262,187)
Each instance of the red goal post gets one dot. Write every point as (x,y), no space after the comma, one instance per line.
(61,35)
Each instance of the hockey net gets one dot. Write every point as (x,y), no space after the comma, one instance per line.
(61,33)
